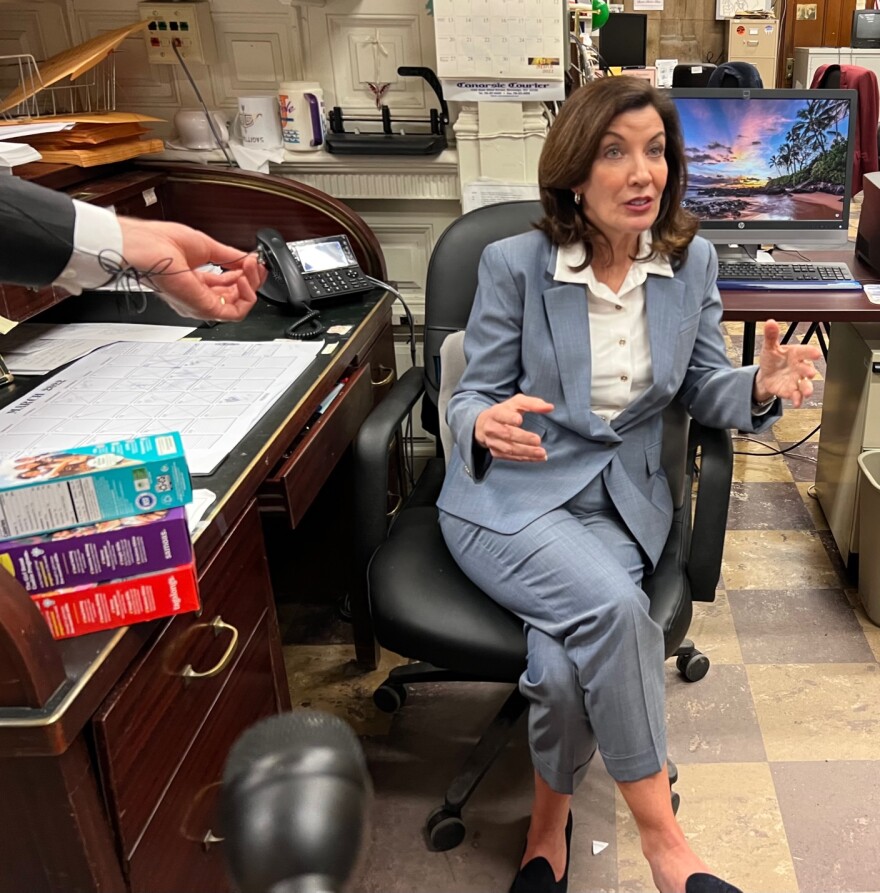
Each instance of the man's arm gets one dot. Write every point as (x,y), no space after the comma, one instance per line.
(36,232)
(46,237)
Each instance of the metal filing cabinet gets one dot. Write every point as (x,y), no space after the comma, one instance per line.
(850,425)
(755,41)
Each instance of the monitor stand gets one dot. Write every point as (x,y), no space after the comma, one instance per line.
(742,253)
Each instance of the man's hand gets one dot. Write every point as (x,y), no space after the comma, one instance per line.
(170,252)
(499,429)
(784,370)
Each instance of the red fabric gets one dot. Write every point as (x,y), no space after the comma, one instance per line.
(864,81)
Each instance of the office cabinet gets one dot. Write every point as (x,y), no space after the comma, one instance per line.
(850,425)
(808,59)
(754,41)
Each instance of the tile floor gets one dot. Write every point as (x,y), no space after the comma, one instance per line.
(778,747)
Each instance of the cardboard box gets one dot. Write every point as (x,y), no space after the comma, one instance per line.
(109,550)
(97,606)
(89,484)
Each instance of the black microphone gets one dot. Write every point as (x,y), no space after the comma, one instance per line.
(293,804)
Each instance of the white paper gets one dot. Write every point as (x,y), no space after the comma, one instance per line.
(479,193)
(730,9)
(477,90)
(195,511)
(14,131)
(656,5)
(212,392)
(38,348)
(12,154)
(663,69)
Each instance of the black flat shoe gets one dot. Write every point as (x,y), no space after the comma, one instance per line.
(536,876)
(708,883)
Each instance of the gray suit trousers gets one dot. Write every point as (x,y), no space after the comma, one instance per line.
(595,657)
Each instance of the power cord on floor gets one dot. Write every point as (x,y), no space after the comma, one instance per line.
(776,451)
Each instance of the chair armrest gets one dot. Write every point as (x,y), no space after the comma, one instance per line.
(710,510)
(371,460)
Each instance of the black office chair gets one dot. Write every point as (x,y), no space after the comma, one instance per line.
(692,74)
(423,607)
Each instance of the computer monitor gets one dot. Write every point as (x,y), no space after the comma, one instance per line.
(623,39)
(865,29)
(769,166)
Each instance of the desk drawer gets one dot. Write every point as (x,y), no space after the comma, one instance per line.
(147,722)
(175,853)
(296,482)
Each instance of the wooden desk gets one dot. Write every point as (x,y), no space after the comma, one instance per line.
(754,305)
(110,760)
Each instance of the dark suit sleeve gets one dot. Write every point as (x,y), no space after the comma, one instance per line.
(36,232)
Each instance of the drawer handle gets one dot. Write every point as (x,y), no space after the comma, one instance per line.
(386,380)
(210,839)
(217,623)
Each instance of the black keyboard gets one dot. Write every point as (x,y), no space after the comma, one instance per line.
(801,276)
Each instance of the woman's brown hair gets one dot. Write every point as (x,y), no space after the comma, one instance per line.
(572,146)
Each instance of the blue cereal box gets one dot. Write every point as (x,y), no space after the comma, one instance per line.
(90,484)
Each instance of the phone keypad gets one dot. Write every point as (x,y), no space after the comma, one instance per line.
(337,282)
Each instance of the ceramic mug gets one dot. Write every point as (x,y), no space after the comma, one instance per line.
(258,124)
(302,115)
(194,131)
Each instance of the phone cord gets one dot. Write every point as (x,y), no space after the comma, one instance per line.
(313,330)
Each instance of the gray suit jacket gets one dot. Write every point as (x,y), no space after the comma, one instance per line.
(529,333)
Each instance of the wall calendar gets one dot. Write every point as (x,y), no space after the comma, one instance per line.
(501,39)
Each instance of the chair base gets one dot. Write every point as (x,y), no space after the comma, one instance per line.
(690,663)
(444,828)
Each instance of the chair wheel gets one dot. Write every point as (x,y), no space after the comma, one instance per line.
(445,829)
(693,666)
(676,802)
(389,697)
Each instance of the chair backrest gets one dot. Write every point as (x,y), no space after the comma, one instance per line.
(692,74)
(452,274)
(736,74)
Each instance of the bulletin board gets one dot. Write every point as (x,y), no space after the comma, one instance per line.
(501,39)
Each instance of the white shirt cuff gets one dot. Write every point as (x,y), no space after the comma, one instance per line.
(96,234)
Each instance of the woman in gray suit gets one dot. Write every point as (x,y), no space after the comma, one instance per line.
(554,502)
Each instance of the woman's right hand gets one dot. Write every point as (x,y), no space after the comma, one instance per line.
(499,430)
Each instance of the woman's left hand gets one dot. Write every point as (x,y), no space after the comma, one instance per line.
(784,370)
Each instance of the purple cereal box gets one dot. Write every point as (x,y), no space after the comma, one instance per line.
(140,544)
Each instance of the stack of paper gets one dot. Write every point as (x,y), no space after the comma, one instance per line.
(12,154)
(85,140)
(38,348)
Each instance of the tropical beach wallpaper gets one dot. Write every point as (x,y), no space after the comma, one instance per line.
(765,159)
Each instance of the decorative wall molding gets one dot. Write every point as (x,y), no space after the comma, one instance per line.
(258,52)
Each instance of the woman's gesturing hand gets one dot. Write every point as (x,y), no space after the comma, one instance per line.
(784,370)
(499,429)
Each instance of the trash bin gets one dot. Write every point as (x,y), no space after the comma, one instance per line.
(869,533)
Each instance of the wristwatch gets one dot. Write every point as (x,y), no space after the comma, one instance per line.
(761,408)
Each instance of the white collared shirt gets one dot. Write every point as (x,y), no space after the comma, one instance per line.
(619,347)
(97,248)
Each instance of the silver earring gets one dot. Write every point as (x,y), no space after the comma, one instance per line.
(577,198)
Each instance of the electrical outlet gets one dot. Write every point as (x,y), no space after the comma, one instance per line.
(789,68)
(186,25)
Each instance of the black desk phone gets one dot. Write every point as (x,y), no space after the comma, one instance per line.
(307,271)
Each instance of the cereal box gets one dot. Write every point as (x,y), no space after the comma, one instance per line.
(107,550)
(90,484)
(97,606)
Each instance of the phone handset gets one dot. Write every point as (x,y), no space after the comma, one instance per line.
(285,285)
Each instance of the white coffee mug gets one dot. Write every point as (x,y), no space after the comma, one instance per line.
(194,131)
(258,123)
(302,115)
